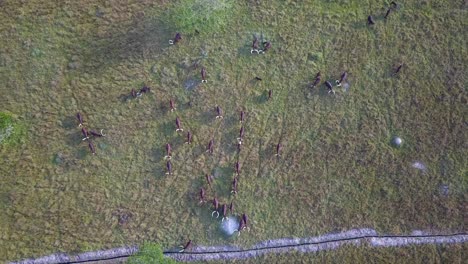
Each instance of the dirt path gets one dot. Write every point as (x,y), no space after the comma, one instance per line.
(356,237)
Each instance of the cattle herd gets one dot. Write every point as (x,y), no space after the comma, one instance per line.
(217,208)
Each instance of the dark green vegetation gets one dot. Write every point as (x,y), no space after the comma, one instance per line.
(338,170)
(150,253)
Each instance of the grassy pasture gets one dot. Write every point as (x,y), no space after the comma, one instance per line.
(338,169)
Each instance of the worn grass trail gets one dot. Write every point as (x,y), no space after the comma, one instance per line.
(338,170)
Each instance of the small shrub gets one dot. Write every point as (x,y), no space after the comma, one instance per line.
(10,131)
(150,253)
(202,15)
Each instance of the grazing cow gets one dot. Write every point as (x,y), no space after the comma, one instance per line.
(143,90)
(224,211)
(239,147)
(177,38)
(258,78)
(203,75)
(254,45)
(231,207)
(266,46)
(80,119)
(171,105)
(168,151)
(215,206)
(169,167)
(242,116)
(237,167)
(97,134)
(241,135)
(317,80)
(388,13)
(202,196)
(210,147)
(241,226)
(370,20)
(186,247)
(85,133)
(329,87)
(219,112)
(245,219)
(91,147)
(177,121)
(189,138)
(234,186)
(209,179)
(398,69)
(270,94)
(279,147)
(343,78)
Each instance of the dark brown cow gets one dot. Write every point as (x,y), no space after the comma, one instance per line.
(237,167)
(189,138)
(329,87)
(224,211)
(172,105)
(242,116)
(168,151)
(202,195)
(266,46)
(317,80)
(234,186)
(80,119)
(245,219)
(209,179)
(241,226)
(388,13)
(97,134)
(143,90)
(398,69)
(241,135)
(186,247)
(210,147)
(177,38)
(254,45)
(279,147)
(203,75)
(343,78)
(85,133)
(215,207)
(219,112)
(91,147)
(169,167)
(177,121)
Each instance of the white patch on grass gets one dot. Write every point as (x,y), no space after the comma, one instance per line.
(6,133)
(419,165)
(229,225)
(397,141)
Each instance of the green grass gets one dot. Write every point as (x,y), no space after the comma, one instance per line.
(351,254)
(338,170)
(204,16)
(150,253)
(11,131)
